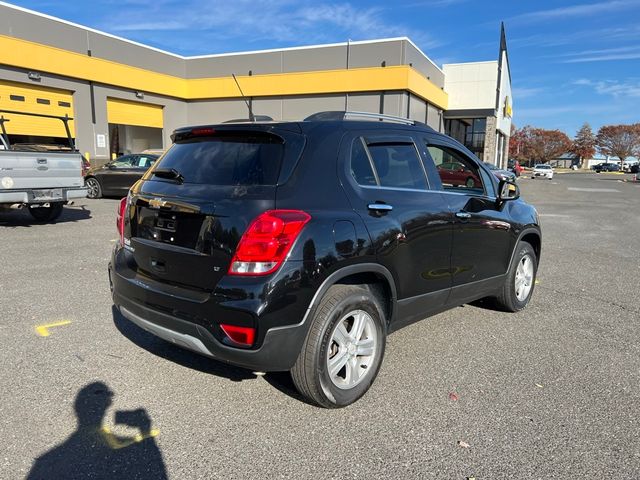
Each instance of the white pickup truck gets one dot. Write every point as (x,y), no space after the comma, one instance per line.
(43,181)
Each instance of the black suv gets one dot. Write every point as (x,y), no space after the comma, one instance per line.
(300,246)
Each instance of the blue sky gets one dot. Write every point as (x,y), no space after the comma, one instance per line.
(571,62)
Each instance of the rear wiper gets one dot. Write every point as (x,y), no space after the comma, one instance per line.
(170,173)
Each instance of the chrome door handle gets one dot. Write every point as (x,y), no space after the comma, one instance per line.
(463,215)
(380,207)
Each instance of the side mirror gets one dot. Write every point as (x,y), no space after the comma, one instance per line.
(508,191)
(111,166)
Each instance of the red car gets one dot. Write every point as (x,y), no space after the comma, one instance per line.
(515,167)
(456,173)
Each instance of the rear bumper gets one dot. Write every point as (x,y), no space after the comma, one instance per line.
(27,197)
(278,350)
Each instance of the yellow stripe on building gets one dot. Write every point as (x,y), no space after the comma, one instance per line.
(34,56)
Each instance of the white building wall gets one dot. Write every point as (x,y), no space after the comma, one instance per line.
(471,85)
(504,119)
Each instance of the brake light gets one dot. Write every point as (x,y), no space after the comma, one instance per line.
(241,335)
(267,241)
(122,209)
(202,132)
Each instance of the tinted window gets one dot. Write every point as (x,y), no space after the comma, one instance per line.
(227,160)
(457,172)
(398,166)
(360,165)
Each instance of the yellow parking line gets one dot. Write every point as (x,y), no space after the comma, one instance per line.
(43,330)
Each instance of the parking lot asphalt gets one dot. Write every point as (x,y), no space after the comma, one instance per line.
(550,392)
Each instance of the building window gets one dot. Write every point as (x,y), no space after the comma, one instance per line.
(64,104)
(43,101)
(468,131)
(17,98)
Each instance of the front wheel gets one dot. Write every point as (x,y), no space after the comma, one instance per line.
(94,190)
(343,351)
(46,214)
(521,279)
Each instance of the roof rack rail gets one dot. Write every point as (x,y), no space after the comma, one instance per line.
(256,118)
(342,115)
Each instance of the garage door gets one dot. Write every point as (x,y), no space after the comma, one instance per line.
(21,97)
(125,112)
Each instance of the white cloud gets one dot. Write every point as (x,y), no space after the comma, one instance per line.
(604,57)
(614,88)
(526,92)
(584,10)
(284,21)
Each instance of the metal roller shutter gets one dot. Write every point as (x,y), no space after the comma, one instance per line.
(125,112)
(27,98)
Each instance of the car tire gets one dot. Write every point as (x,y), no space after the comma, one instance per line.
(521,279)
(46,214)
(470,183)
(94,190)
(337,365)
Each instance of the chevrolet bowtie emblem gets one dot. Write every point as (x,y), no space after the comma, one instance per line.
(157,203)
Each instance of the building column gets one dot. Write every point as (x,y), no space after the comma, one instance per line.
(505,157)
(490,139)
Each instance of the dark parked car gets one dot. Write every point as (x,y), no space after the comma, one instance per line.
(606,167)
(299,246)
(500,173)
(117,176)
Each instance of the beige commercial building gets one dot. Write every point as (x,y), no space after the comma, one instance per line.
(124,96)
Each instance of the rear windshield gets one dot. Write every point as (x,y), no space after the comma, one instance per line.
(227,160)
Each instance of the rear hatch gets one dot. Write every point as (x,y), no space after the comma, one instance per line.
(191,208)
(41,169)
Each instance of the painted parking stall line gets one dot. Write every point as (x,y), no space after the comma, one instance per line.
(589,189)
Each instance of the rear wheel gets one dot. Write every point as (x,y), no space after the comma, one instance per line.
(343,351)
(470,183)
(520,282)
(94,190)
(46,214)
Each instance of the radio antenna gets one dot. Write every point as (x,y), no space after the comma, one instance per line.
(251,117)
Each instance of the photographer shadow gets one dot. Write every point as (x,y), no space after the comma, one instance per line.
(93,451)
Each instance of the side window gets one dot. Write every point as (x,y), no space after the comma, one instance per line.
(361,169)
(457,172)
(123,162)
(398,165)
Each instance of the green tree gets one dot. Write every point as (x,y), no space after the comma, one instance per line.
(584,144)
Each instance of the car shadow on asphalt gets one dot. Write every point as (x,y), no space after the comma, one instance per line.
(176,354)
(281,381)
(22,217)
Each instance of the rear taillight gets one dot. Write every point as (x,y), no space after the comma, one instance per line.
(243,336)
(267,241)
(122,210)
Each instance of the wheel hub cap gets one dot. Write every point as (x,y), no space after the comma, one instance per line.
(352,349)
(524,278)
